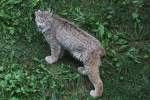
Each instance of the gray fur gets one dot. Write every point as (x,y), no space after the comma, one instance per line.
(62,34)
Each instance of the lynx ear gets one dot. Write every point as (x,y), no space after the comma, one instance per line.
(50,11)
(38,12)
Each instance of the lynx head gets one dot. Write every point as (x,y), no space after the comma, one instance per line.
(42,19)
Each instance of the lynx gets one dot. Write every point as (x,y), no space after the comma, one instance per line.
(63,35)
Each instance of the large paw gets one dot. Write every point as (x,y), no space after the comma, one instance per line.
(93,93)
(82,70)
(50,59)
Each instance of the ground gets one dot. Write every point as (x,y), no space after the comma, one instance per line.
(121,26)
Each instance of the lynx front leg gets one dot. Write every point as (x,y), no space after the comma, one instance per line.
(56,51)
(92,65)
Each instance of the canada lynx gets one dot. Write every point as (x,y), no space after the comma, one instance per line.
(62,34)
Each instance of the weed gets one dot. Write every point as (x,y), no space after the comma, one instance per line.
(120,26)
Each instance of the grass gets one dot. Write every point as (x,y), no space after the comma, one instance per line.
(121,26)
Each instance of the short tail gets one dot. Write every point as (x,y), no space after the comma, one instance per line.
(102,52)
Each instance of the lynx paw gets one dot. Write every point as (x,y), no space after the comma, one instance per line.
(93,94)
(50,59)
(82,70)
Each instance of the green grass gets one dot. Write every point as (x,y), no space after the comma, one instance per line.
(122,26)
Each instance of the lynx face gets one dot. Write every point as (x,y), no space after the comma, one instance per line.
(42,18)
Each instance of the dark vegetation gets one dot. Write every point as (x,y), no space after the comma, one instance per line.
(121,25)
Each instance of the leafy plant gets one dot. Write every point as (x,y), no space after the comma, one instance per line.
(120,25)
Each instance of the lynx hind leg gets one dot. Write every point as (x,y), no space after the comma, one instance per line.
(92,65)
